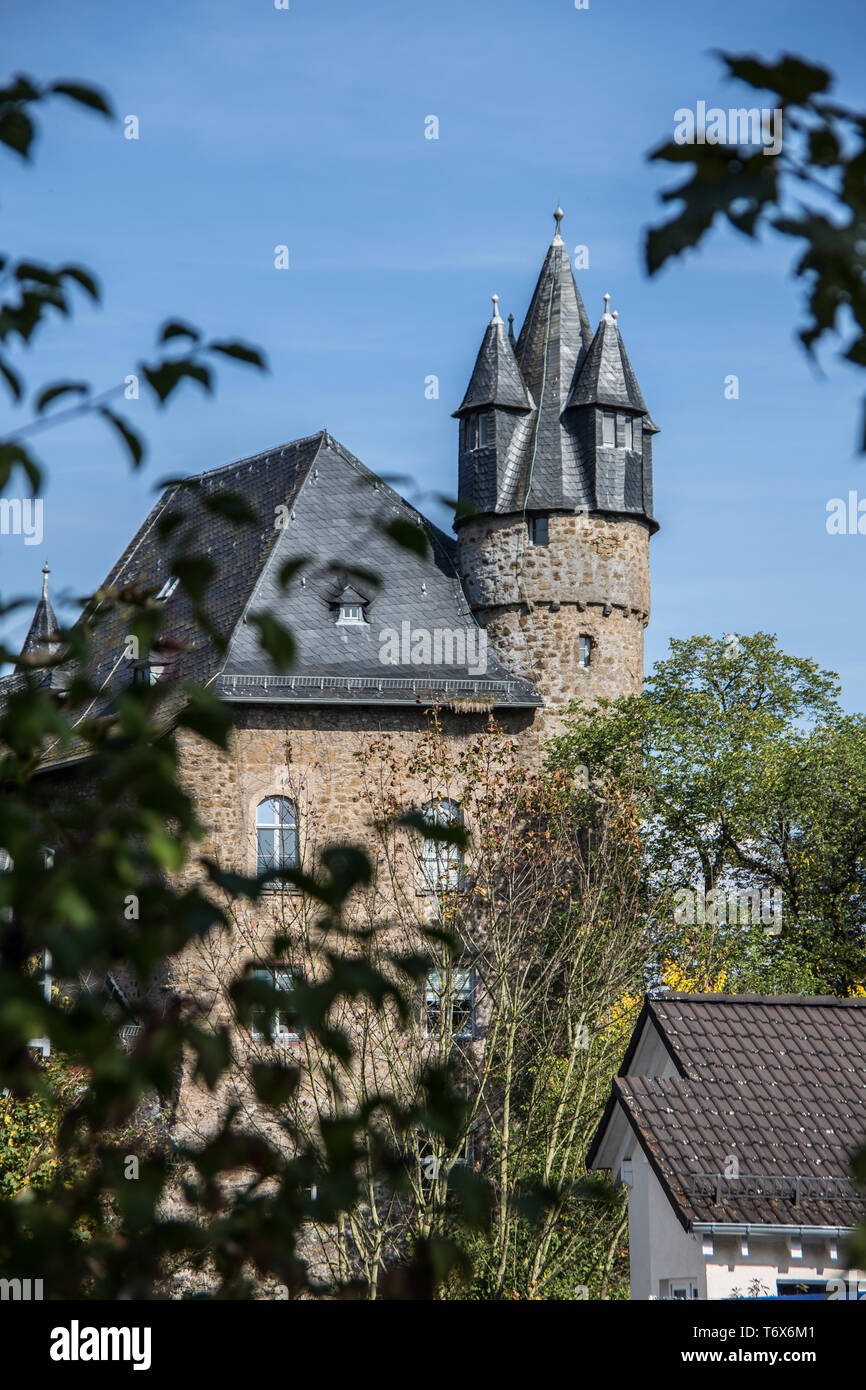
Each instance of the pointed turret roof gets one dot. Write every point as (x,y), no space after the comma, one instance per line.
(41,640)
(606,376)
(556,332)
(496,378)
(545,459)
(544,471)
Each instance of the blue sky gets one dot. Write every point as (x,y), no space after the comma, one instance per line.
(261,127)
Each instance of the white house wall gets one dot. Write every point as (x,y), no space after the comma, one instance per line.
(659,1248)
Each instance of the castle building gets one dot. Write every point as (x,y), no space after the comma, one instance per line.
(542,598)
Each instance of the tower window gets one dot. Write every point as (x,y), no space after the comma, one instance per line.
(618,430)
(539,530)
(276,835)
(585,652)
(480,431)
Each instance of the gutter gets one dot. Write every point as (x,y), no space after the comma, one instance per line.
(749,1228)
(348,701)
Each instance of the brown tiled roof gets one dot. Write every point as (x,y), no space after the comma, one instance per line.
(776,1081)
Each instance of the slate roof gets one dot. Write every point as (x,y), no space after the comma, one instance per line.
(339,515)
(550,458)
(777,1080)
(39,642)
(606,376)
(496,378)
(312,500)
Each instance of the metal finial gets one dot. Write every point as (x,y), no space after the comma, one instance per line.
(45,573)
(558,216)
(496,318)
(615,314)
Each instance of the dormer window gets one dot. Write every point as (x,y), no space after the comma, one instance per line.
(167,589)
(349,607)
(480,431)
(608,429)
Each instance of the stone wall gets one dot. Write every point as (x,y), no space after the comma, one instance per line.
(536,601)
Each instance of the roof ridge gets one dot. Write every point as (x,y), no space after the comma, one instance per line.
(795,1000)
(321,435)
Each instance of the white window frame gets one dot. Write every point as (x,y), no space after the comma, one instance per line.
(442,863)
(480,430)
(285,813)
(442,989)
(584,651)
(608,427)
(351,614)
(277,1031)
(167,589)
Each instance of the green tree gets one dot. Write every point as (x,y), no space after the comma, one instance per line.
(812,194)
(85,1220)
(751,778)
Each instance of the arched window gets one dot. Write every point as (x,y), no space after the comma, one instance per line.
(276,835)
(442,862)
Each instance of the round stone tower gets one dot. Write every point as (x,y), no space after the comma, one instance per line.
(555,496)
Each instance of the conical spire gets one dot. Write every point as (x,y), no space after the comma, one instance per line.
(606,376)
(496,379)
(556,332)
(41,640)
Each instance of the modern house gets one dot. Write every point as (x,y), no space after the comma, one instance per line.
(732,1123)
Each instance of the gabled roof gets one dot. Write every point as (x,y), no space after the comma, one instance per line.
(312,500)
(606,377)
(496,378)
(779,1081)
(340,516)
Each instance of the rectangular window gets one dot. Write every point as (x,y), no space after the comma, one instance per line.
(449,1003)
(585,651)
(472,432)
(276,835)
(539,530)
(485,430)
(442,863)
(628,428)
(608,428)
(278,1026)
(682,1288)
